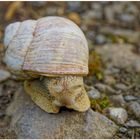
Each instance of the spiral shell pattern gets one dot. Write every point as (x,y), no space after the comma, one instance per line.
(47,46)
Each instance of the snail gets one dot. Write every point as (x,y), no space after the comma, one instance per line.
(51,56)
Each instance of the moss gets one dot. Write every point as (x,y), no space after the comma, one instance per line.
(100,104)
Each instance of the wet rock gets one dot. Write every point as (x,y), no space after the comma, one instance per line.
(129,98)
(117,100)
(29,121)
(94,93)
(4,75)
(132,124)
(135,108)
(119,115)
(120,56)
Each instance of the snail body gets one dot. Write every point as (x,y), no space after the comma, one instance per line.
(53,48)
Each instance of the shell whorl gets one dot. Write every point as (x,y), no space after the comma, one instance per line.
(47,46)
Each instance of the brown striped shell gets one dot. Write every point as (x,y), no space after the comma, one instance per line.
(48,46)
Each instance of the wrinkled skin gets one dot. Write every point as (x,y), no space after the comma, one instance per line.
(52,93)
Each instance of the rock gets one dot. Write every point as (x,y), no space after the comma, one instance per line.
(100,39)
(4,75)
(29,121)
(101,87)
(111,70)
(123,129)
(110,80)
(2,113)
(38,4)
(129,98)
(121,86)
(94,93)
(91,35)
(74,6)
(119,115)
(127,18)
(117,100)
(135,108)
(127,34)
(132,124)
(1,87)
(120,56)
(105,88)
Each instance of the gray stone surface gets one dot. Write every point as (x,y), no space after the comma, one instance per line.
(29,121)
(94,93)
(132,124)
(4,75)
(135,108)
(117,100)
(129,98)
(119,115)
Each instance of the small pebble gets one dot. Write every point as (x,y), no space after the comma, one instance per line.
(100,39)
(111,70)
(101,87)
(132,124)
(110,80)
(94,94)
(135,108)
(105,88)
(127,18)
(4,75)
(119,115)
(2,114)
(118,100)
(121,86)
(74,6)
(1,90)
(129,98)
(123,129)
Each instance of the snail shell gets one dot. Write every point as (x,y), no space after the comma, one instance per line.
(48,46)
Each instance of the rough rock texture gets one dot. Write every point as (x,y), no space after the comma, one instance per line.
(29,121)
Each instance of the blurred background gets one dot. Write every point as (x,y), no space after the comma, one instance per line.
(113,33)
